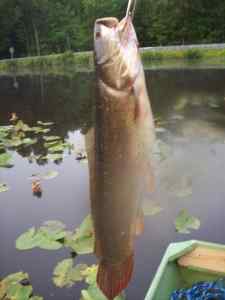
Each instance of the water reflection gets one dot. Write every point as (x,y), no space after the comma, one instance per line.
(189,175)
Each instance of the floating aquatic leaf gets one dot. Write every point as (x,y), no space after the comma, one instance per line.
(54,229)
(46,237)
(14,142)
(3,187)
(184,222)
(16,278)
(19,292)
(50,175)
(46,176)
(94,293)
(34,157)
(5,159)
(47,243)
(182,187)
(29,141)
(13,288)
(37,129)
(17,142)
(6,129)
(21,126)
(45,123)
(51,138)
(151,208)
(90,274)
(160,130)
(66,274)
(27,240)
(52,143)
(82,241)
(57,148)
(177,117)
(181,104)
(53,156)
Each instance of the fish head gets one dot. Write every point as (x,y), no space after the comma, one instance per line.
(116,52)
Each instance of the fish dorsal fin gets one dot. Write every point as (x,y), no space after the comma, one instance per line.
(112,279)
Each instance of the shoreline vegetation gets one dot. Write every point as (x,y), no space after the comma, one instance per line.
(83,61)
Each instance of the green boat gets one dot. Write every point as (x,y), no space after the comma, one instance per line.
(184,264)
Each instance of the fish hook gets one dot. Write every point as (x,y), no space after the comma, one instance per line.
(130,10)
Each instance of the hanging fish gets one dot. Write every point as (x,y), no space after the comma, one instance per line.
(119,151)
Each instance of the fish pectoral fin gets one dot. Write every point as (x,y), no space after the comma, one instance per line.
(112,279)
(139,228)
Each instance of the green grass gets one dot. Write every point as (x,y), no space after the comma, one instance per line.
(84,60)
(186,55)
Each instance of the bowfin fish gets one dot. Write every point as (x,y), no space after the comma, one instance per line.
(120,162)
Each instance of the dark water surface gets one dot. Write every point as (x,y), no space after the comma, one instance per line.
(190,173)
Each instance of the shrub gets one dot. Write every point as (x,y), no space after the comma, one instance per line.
(193,54)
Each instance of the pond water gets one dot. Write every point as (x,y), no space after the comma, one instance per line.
(189,105)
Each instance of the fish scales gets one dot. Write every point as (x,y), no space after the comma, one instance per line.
(119,151)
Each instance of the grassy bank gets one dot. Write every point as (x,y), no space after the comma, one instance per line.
(84,60)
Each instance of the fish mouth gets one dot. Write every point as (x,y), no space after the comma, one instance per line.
(107,22)
(103,25)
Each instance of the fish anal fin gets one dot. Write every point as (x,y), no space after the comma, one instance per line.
(139,229)
(112,279)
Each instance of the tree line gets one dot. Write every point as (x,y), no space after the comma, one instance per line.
(40,27)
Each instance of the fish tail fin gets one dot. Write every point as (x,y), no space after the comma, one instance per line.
(113,279)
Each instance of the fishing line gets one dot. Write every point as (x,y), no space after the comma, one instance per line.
(130,11)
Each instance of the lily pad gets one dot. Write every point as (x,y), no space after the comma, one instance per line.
(5,159)
(37,129)
(27,240)
(151,208)
(82,241)
(21,126)
(184,222)
(45,123)
(52,143)
(46,176)
(182,188)
(90,274)
(49,138)
(19,292)
(53,156)
(46,237)
(3,187)
(12,287)
(29,141)
(50,175)
(55,230)
(66,274)
(181,104)
(160,129)
(94,293)
(56,148)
